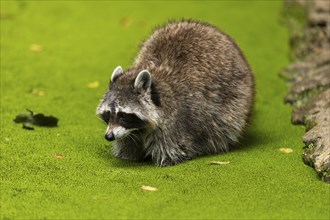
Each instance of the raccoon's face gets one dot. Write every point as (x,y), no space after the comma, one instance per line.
(129,104)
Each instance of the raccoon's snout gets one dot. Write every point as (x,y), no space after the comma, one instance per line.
(109,136)
(115,132)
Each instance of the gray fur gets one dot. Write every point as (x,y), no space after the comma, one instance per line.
(198,101)
(143,80)
(116,73)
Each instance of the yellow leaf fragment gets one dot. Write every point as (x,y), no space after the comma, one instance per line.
(36,48)
(37,92)
(286,150)
(58,156)
(219,162)
(93,85)
(148,188)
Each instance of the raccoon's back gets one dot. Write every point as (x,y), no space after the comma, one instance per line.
(196,57)
(189,47)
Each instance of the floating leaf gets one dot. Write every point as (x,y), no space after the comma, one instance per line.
(148,188)
(219,162)
(93,85)
(46,121)
(126,21)
(28,120)
(58,156)
(286,150)
(37,92)
(36,48)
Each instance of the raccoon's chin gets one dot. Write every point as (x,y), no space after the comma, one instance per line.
(127,134)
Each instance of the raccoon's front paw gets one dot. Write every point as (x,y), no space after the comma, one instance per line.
(128,153)
(129,156)
(163,162)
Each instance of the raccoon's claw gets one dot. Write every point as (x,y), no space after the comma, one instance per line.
(170,162)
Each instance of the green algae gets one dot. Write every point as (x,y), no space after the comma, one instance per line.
(83,42)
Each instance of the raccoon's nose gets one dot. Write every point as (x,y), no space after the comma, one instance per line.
(109,136)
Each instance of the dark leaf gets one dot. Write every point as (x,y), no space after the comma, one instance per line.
(30,119)
(42,120)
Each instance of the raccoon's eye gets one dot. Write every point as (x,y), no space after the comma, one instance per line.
(106,117)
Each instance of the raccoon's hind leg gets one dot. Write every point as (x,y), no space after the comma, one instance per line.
(129,148)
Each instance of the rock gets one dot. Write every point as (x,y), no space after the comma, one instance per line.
(309,76)
(318,13)
(308,84)
(319,19)
(301,68)
(317,140)
(321,6)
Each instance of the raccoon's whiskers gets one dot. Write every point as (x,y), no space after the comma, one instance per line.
(134,135)
(131,136)
(138,131)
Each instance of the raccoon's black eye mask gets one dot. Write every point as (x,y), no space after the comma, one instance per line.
(130,120)
(127,120)
(105,116)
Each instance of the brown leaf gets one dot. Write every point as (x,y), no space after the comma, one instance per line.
(286,150)
(219,162)
(126,21)
(148,188)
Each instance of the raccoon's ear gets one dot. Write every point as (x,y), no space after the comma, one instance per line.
(143,80)
(116,73)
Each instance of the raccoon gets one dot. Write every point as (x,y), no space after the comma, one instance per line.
(189,93)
